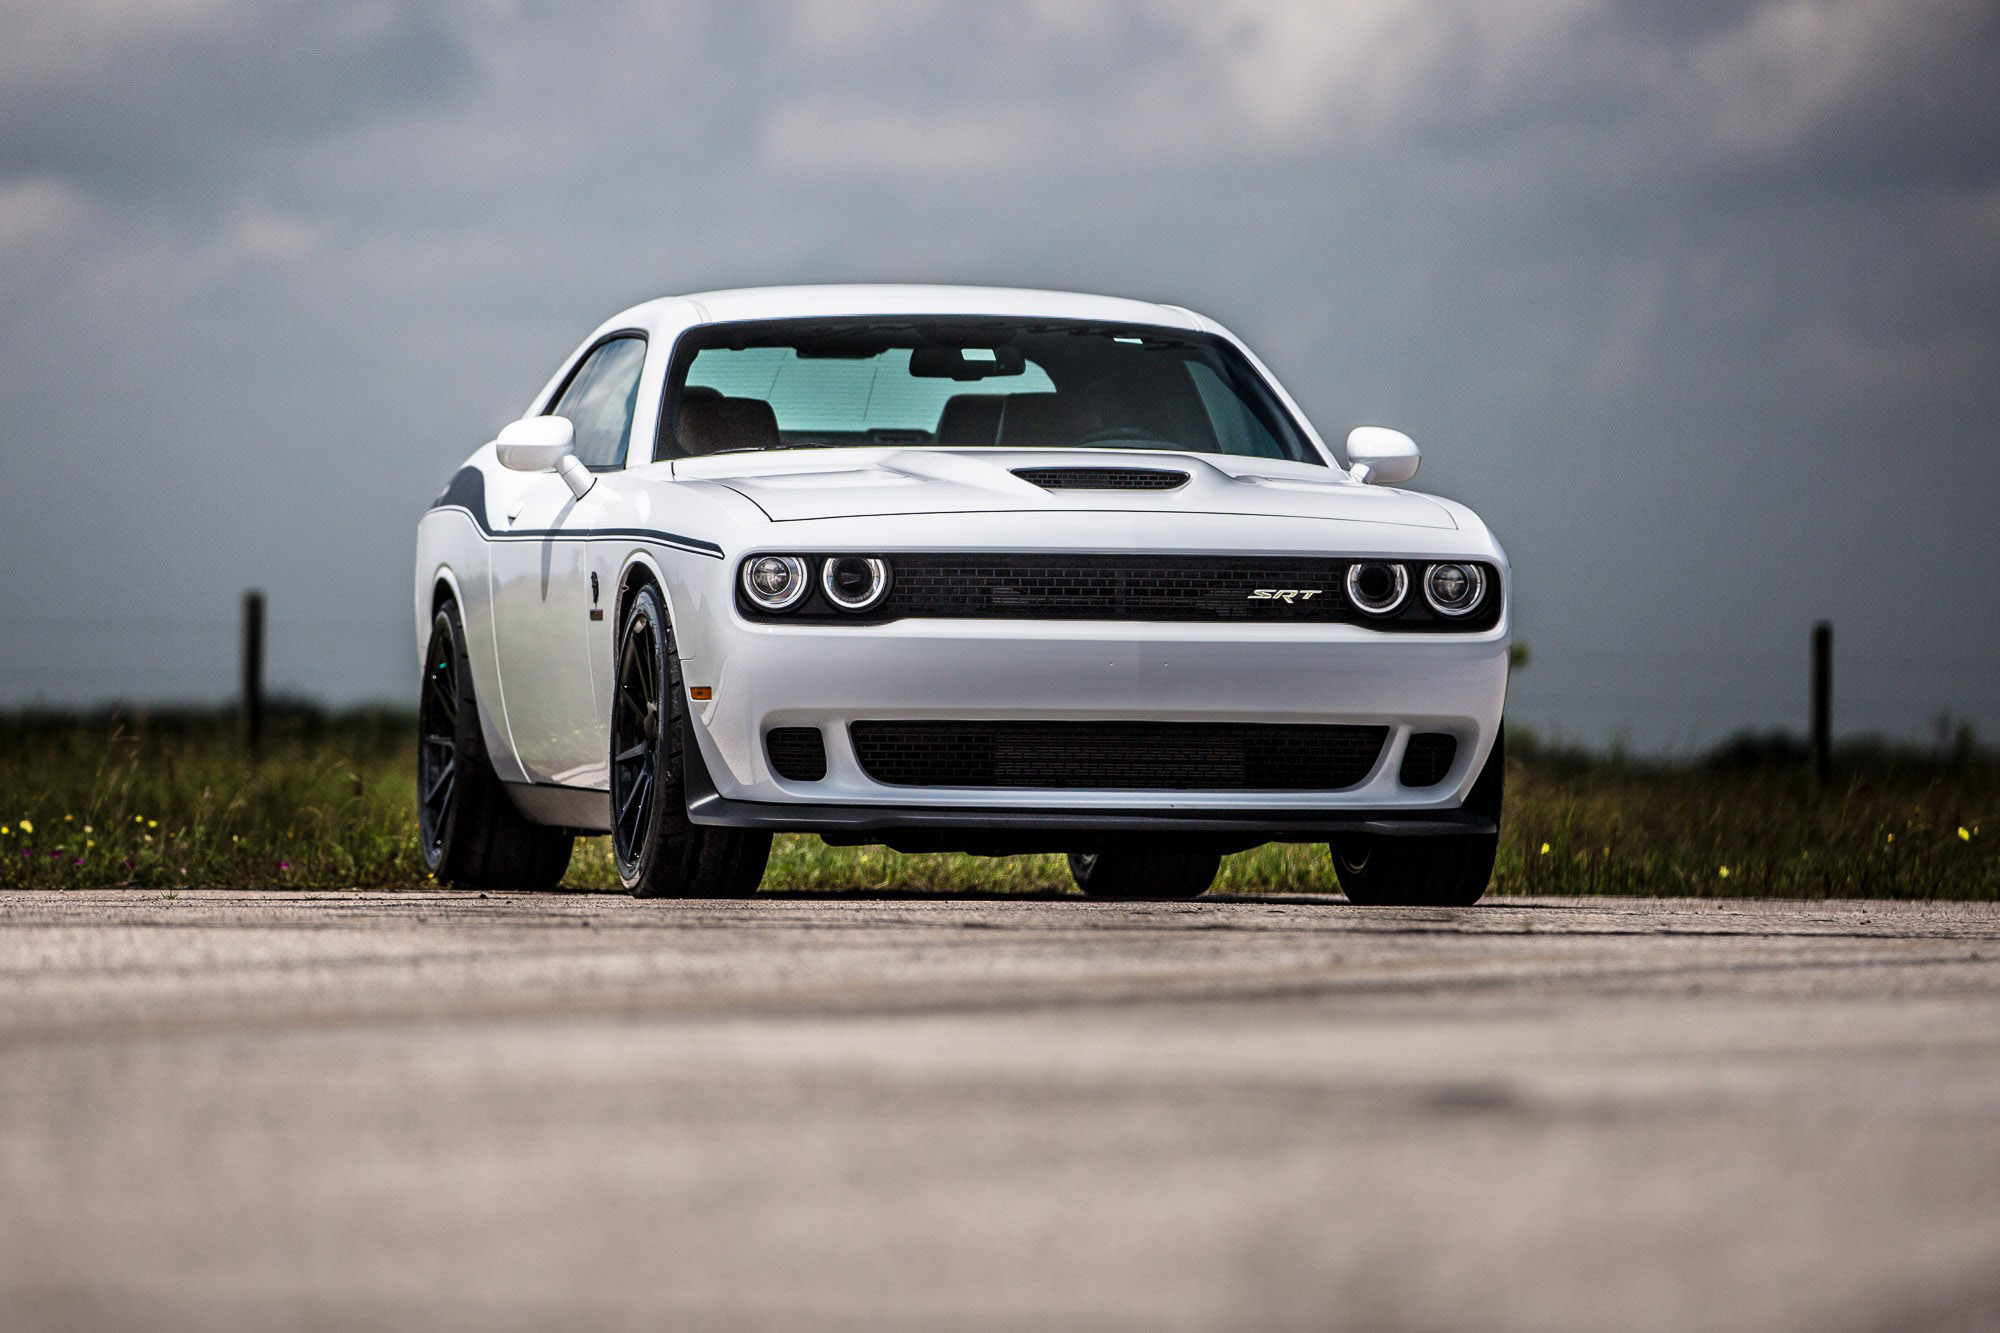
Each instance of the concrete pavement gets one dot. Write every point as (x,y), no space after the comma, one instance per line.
(448,1110)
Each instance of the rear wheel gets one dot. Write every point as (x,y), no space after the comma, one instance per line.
(1135,873)
(470,833)
(660,852)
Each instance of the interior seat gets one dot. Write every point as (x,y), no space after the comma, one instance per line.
(1032,420)
(970,419)
(709,422)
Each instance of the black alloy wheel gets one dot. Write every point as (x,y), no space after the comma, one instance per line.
(660,852)
(468,830)
(635,741)
(437,742)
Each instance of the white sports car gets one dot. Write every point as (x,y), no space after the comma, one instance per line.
(952,569)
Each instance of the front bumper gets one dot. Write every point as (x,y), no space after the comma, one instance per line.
(765,676)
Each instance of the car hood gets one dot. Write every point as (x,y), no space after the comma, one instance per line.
(853,483)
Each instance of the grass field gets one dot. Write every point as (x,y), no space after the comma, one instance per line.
(168,801)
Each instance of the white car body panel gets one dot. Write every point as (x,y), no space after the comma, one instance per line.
(518,552)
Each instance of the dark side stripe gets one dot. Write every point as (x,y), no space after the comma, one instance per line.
(467,491)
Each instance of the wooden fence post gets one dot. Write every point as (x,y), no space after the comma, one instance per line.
(253,671)
(1822,700)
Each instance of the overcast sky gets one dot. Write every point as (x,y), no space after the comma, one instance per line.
(1702,312)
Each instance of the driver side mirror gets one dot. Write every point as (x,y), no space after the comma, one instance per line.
(1381,456)
(544,444)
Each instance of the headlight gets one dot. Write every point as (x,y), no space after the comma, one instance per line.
(854,582)
(775,582)
(1376,587)
(1454,590)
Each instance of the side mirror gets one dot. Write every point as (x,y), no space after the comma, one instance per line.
(544,444)
(1382,456)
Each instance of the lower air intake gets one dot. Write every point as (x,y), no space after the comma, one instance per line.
(1427,758)
(1176,756)
(797,753)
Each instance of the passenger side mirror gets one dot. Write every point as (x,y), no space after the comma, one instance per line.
(544,444)
(1382,456)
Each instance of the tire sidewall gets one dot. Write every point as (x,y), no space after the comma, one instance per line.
(646,614)
(439,847)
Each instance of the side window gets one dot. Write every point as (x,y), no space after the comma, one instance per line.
(600,399)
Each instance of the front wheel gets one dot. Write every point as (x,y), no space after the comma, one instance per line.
(1446,870)
(1450,870)
(1137,873)
(661,853)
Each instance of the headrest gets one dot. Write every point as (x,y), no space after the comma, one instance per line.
(1038,419)
(970,419)
(708,424)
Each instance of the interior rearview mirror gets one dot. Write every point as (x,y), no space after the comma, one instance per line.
(544,444)
(1382,456)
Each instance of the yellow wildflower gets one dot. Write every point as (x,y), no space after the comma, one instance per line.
(1545,849)
(1963,836)
(27,826)
(69,819)
(1722,871)
(152,823)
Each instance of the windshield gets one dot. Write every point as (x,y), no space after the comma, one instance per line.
(960,383)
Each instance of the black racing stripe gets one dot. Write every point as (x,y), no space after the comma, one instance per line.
(467,491)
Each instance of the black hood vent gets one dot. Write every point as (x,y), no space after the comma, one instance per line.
(1103,478)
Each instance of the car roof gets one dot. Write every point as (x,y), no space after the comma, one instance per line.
(820,301)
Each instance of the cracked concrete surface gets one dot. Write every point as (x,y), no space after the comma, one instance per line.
(515,1111)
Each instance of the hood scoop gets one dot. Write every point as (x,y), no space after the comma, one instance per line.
(1103,478)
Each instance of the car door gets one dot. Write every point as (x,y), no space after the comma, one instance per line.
(542,597)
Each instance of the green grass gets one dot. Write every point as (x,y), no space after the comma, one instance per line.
(168,801)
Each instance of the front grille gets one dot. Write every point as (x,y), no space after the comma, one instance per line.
(797,753)
(1103,478)
(1192,589)
(1178,756)
(1427,758)
(1120,587)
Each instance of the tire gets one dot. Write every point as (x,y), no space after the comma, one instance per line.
(1450,870)
(659,851)
(1139,873)
(469,831)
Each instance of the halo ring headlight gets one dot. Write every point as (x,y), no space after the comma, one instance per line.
(1454,589)
(1377,587)
(775,582)
(854,582)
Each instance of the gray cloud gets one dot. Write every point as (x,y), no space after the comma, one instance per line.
(135,100)
(1698,304)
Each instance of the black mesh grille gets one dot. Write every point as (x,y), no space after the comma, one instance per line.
(1116,587)
(1284,590)
(1103,478)
(1427,759)
(797,753)
(1186,756)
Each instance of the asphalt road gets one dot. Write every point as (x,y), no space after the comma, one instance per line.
(453,1111)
